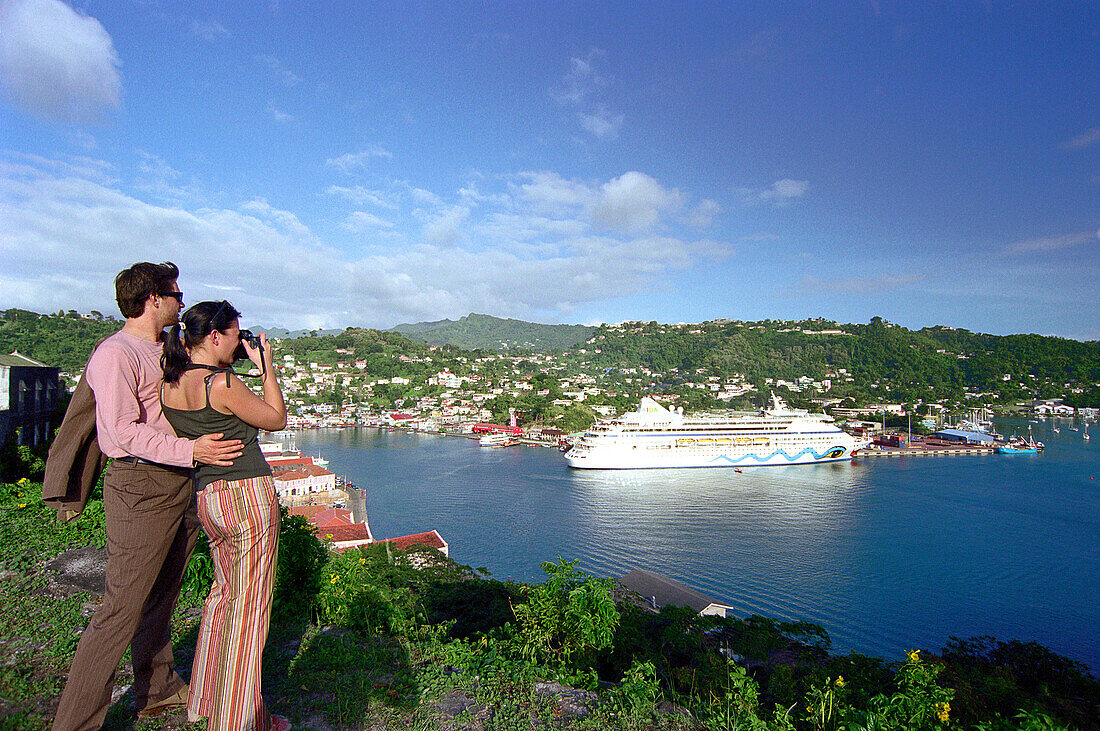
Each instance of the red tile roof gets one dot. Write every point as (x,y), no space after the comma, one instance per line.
(341,533)
(430,538)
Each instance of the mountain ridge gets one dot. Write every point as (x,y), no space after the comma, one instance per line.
(477,331)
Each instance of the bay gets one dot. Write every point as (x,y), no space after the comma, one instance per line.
(887,553)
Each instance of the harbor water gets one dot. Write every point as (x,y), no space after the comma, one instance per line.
(886,554)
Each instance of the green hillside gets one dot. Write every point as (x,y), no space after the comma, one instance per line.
(484,332)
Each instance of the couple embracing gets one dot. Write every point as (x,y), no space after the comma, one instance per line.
(182,431)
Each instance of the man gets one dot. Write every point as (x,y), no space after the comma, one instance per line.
(149,505)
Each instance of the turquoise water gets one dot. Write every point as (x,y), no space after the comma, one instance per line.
(888,554)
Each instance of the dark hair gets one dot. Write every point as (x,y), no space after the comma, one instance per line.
(134,285)
(198,321)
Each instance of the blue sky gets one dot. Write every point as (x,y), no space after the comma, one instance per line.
(374,163)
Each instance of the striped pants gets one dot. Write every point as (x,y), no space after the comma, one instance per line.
(241,519)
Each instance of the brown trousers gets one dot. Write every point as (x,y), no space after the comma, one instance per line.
(152,525)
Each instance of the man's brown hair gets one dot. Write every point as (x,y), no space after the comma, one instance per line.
(134,285)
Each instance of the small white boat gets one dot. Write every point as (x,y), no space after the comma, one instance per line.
(498,439)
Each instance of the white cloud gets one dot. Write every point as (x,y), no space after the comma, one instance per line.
(703,214)
(514,262)
(352,161)
(447,226)
(1049,244)
(582,90)
(360,221)
(602,123)
(210,30)
(550,193)
(57,63)
(633,202)
(780,194)
(279,115)
(360,195)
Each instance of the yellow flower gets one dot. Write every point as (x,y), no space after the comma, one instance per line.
(333,578)
(809,709)
(22,505)
(22,481)
(362,560)
(944,712)
(914,655)
(840,681)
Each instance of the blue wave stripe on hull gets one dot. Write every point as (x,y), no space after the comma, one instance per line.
(778,452)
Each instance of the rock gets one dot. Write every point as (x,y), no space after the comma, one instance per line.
(82,570)
(447,708)
(570,701)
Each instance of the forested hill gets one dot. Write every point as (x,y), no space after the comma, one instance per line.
(873,361)
(910,364)
(64,340)
(484,332)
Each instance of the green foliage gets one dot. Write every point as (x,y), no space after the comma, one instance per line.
(757,637)
(919,703)
(64,340)
(635,698)
(298,573)
(568,618)
(996,678)
(21,461)
(733,706)
(198,577)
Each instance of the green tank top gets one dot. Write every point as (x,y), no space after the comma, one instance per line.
(208,420)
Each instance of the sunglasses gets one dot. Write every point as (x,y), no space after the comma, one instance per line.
(177,295)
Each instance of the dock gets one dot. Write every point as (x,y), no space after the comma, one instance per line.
(923,451)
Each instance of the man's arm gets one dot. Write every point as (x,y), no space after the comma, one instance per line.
(113,375)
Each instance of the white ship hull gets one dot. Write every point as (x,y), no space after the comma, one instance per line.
(654,437)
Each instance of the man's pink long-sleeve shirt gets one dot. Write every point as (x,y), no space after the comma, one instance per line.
(124,373)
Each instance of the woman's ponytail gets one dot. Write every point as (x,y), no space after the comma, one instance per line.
(175,359)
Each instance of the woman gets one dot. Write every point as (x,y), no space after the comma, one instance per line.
(238,509)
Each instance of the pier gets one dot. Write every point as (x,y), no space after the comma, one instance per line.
(923,451)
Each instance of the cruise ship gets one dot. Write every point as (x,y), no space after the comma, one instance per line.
(654,436)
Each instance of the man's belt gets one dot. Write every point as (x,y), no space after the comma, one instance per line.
(138,460)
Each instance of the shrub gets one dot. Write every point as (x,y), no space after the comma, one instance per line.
(567,618)
(298,574)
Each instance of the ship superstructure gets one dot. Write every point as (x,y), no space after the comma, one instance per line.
(654,436)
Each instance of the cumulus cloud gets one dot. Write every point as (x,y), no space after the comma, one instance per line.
(446,226)
(780,194)
(633,202)
(57,63)
(510,260)
(703,214)
(550,193)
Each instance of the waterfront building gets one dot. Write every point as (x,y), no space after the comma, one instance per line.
(661,591)
(431,539)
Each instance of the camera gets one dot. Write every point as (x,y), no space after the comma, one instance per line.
(247,337)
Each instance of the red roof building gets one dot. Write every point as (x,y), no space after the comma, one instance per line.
(432,539)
